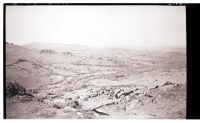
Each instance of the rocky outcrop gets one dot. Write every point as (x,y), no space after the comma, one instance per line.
(13,89)
(46,51)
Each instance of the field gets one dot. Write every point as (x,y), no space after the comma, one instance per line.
(80,82)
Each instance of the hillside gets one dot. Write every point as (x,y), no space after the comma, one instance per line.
(56,81)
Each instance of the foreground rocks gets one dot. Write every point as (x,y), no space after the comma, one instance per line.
(106,102)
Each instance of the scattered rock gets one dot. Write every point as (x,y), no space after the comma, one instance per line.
(25,99)
(118,94)
(148,95)
(69,109)
(168,83)
(33,91)
(57,106)
(138,94)
(69,98)
(21,60)
(49,93)
(99,112)
(93,95)
(79,113)
(153,89)
(133,104)
(156,87)
(74,104)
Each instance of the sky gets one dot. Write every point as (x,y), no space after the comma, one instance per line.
(97,25)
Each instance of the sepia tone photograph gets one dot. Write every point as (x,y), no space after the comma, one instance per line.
(95,61)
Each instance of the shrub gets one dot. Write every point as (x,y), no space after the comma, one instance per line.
(14,89)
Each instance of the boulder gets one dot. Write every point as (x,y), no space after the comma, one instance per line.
(58,106)
(168,83)
(74,104)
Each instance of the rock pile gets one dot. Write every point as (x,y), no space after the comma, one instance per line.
(73,103)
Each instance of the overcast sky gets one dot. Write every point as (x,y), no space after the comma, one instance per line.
(97,25)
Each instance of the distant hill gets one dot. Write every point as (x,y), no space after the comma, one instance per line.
(54,46)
